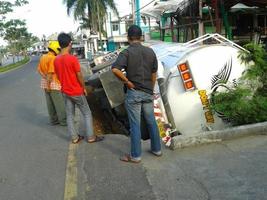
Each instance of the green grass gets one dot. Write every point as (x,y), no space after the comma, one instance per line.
(15,65)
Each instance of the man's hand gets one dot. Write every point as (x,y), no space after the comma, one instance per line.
(129,84)
(85,92)
(123,78)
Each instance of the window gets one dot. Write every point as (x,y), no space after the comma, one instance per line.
(115,27)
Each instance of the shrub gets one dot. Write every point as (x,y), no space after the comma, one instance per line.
(246,103)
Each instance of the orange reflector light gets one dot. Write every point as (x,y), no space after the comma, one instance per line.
(186,76)
(183,67)
(189,85)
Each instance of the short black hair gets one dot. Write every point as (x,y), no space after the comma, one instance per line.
(64,40)
(134,32)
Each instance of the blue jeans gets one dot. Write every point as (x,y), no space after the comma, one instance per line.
(136,102)
(81,102)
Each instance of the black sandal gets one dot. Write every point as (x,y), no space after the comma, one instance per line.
(77,140)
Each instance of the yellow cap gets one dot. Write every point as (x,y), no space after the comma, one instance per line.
(54,45)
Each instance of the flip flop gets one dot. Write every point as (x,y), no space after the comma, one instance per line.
(127,158)
(96,139)
(77,140)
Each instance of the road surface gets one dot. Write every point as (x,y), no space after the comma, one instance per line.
(32,154)
(38,163)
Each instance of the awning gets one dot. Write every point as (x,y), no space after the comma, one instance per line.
(258,3)
(163,7)
(159,8)
(242,7)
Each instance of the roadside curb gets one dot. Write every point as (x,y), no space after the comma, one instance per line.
(179,142)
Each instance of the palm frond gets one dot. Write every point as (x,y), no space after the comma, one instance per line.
(94,10)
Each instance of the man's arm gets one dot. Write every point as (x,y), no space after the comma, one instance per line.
(41,74)
(49,78)
(123,78)
(39,71)
(154,78)
(50,72)
(120,75)
(154,71)
(81,81)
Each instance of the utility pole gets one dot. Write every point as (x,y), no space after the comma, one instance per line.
(138,14)
(200,23)
(133,10)
(99,27)
(110,23)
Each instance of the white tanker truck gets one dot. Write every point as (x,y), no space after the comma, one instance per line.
(188,75)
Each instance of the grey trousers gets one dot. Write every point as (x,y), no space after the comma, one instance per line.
(81,102)
(56,107)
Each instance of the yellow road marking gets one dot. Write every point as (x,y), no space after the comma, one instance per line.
(71,174)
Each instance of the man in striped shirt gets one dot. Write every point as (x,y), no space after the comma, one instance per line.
(51,85)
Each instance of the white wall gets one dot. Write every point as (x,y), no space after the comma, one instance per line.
(111,21)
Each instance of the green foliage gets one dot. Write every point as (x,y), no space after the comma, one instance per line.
(14,31)
(247,102)
(90,12)
(20,2)
(17,36)
(256,60)
(7,7)
(241,106)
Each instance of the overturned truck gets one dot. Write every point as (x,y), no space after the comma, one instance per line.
(187,77)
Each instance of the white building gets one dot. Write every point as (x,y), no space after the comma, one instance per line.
(116,29)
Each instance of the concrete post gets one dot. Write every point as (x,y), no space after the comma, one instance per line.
(133,10)
(86,49)
(200,23)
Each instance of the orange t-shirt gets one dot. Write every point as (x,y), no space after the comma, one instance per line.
(46,65)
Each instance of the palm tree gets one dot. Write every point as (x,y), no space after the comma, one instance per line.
(94,11)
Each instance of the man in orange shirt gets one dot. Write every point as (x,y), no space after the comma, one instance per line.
(51,85)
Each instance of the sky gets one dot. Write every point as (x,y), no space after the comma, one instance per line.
(45,17)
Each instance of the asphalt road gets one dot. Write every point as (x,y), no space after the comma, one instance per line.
(33,155)
(37,162)
(231,170)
